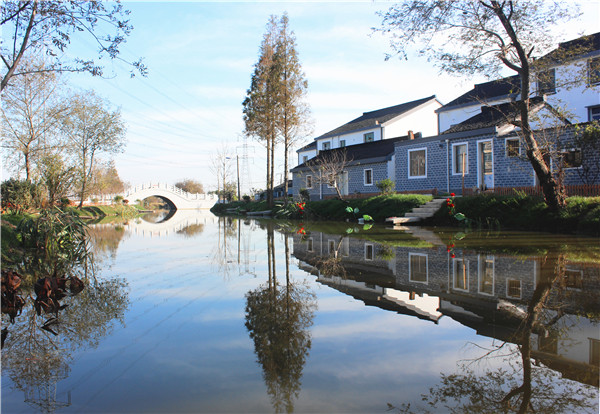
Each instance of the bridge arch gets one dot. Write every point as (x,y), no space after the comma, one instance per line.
(179,199)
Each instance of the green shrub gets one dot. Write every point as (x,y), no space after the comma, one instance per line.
(386,186)
(20,195)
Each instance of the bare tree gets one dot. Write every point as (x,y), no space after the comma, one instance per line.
(467,37)
(31,111)
(48,25)
(221,167)
(329,167)
(91,129)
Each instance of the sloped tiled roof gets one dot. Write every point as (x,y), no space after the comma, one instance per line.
(376,118)
(311,146)
(573,48)
(355,153)
(483,92)
(495,115)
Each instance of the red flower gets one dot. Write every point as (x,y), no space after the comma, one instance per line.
(453,255)
(448,200)
(452,194)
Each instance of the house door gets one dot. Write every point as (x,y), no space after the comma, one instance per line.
(344,183)
(485,165)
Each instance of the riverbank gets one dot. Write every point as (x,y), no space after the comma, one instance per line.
(517,212)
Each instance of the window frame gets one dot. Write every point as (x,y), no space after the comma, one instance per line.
(465,265)
(365,176)
(454,165)
(409,154)
(342,143)
(507,148)
(368,137)
(593,65)
(547,86)
(568,152)
(326,146)
(309,182)
(369,247)
(410,271)
(591,114)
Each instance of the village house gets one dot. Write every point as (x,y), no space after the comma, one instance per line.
(472,143)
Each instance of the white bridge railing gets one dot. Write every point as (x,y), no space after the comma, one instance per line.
(170,188)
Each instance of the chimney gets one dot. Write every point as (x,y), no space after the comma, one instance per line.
(411,135)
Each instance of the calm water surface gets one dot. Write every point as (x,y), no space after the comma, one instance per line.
(201,314)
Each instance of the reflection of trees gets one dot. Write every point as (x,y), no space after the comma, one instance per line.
(192,230)
(105,239)
(36,361)
(523,384)
(222,251)
(331,265)
(278,319)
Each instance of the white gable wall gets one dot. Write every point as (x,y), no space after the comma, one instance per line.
(575,100)
(422,119)
(451,117)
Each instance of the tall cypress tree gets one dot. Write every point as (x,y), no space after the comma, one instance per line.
(293,113)
(260,103)
(275,108)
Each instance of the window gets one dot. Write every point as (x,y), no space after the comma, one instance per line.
(459,159)
(326,146)
(342,143)
(513,147)
(594,71)
(594,113)
(304,158)
(369,252)
(571,158)
(513,288)
(309,181)
(460,268)
(331,247)
(368,177)
(309,245)
(417,164)
(486,275)
(417,267)
(547,82)
(594,351)
(368,137)
(573,279)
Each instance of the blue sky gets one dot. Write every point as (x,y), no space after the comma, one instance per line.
(200,57)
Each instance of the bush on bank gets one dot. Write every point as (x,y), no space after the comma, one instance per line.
(379,208)
(521,212)
(517,212)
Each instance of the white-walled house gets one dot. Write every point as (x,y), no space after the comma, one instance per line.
(570,82)
(418,116)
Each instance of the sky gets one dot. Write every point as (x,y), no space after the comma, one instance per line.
(200,57)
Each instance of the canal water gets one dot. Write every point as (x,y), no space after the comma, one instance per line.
(192,313)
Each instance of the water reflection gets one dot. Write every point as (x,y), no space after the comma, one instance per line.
(278,319)
(539,299)
(67,315)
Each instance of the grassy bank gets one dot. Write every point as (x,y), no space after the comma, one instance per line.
(521,212)
(379,208)
(518,212)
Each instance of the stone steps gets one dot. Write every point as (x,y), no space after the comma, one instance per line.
(418,213)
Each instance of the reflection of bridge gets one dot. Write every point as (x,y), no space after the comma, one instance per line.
(174,196)
(176,223)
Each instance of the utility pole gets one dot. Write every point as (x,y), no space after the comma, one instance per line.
(237,158)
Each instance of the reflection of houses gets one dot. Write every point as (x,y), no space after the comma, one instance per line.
(485,291)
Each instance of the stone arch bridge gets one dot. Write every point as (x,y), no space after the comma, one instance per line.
(174,196)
